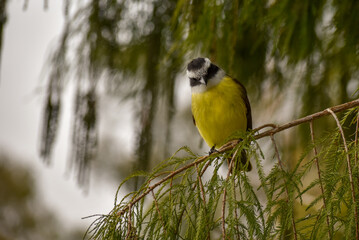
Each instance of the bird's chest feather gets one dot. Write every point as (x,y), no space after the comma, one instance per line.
(219,112)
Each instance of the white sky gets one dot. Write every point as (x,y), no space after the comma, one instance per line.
(28,37)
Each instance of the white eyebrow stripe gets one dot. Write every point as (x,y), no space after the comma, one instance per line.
(207,63)
(192,74)
(196,74)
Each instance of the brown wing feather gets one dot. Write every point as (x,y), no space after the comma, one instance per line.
(244,158)
(246,102)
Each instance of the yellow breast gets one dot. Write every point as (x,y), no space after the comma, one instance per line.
(219,112)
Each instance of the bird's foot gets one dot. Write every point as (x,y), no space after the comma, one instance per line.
(213,150)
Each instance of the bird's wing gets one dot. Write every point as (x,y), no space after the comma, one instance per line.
(246,102)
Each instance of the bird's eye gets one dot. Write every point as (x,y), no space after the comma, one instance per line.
(193,79)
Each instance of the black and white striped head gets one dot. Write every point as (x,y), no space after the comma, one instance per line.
(203,74)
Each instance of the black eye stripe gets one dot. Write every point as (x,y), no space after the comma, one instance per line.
(212,70)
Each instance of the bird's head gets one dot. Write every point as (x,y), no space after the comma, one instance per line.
(203,74)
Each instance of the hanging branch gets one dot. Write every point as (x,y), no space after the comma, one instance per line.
(319,175)
(245,206)
(309,118)
(230,145)
(285,185)
(52,108)
(349,172)
(235,211)
(201,186)
(158,211)
(224,196)
(129,219)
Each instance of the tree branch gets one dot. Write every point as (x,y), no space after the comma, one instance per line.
(230,145)
(309,118)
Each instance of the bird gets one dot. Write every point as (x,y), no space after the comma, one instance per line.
(219,104)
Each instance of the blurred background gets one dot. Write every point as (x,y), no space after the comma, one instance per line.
(92,91)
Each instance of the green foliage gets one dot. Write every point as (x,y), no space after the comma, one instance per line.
(192,197)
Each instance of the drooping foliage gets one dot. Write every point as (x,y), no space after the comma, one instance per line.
(193,197)
(123,50)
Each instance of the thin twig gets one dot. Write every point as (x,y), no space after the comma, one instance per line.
(234,190)
(150,188)
(224,196)
(319,175)
(129,227)
(349,172)
(309,118)
(171,190)
(356,140)
(201,186)
(285,185)
(159,213)
(271,125)
(202,191)
(277,153)
(205,168)
(316,223)
(235,211)
(223,214)
(194,187)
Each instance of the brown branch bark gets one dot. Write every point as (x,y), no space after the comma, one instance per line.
(309,118)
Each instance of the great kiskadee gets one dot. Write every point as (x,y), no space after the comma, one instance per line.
(220,105)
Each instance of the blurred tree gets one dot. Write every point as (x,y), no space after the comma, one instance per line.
(21,215)
(307,49)
(122,44)
(3,18)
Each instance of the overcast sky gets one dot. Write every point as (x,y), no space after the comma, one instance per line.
(28,38)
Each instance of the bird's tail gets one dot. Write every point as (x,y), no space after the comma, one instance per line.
(244,164)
